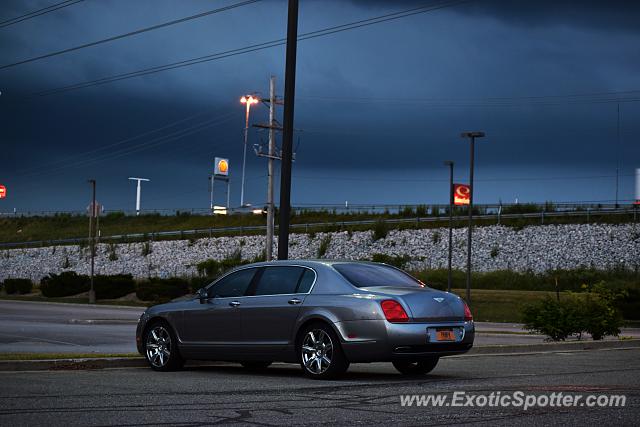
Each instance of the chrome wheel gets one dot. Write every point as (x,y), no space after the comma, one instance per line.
(317,351)
(158,346)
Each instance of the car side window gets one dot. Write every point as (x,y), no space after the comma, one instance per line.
(279,280)
(306,281)
(233,285)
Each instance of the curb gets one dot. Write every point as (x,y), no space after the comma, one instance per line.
(139,362)
(72,364)
(553,347)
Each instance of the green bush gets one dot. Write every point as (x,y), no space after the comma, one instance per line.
(380,230)
(17,286)
(64,284)
(115,286)
(395,260)
(324,245)
(156,289)
(592,312)
(556,319)
(213,268)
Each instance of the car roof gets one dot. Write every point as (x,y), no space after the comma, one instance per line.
(308,262)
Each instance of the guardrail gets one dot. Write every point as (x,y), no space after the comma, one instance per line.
(307,227)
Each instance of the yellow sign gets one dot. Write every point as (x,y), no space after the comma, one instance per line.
(221,167)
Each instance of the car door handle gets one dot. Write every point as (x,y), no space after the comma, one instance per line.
(294,301)
(234,303)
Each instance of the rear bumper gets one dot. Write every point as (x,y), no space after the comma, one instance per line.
(381,341)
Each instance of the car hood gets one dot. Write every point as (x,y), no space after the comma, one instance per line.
(424,304)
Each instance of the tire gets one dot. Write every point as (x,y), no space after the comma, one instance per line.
(161,349)
(320,353)
(256,365)
(420,367)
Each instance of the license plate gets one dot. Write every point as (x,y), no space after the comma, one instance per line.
(445,335)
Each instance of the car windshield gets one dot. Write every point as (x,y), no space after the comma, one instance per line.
(366,275)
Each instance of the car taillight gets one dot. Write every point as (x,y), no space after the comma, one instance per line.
(467,313)
(393,311)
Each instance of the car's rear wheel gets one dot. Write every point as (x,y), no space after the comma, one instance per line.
(419,367)
(256,365)
(161,350)
(321,355)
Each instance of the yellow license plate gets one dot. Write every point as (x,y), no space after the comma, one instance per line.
(445,335)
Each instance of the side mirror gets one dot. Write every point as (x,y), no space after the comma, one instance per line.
(202,295)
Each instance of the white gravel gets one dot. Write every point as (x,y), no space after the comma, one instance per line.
(535,248)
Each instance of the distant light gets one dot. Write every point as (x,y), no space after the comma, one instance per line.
(219,210)
(258,211)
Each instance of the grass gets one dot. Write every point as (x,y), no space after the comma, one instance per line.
(53,356)
(500,305)
(64,226)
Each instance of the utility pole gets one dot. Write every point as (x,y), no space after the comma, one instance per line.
(472,137)
(92,239)
(272,153)
(287,135)
(449,274)
(138,191)
(617,155)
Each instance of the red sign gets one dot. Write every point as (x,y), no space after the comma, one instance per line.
(461,194)
(3,191)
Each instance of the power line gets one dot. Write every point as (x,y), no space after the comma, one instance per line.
(115,144)
(582,98)
(38,12)
(546,178)
(160,140)
(253,48)
(132,33)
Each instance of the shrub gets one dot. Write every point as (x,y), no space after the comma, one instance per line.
(324,245)
(395,260)
(115,286)
(592,312)
(213,268)
(156,289)
(556,319)
(380,230)
(18,286)
(64,284)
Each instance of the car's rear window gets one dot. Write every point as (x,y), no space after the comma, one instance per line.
(366,275)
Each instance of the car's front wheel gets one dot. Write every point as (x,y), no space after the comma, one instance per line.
(161,350)
(420,367)
(321,355)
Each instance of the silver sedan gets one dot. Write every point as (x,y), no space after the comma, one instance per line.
(321,314)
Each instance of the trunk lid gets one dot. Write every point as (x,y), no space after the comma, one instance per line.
(424,304)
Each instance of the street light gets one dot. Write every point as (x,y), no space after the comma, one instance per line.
(450,164)
(248,100)
(472,136)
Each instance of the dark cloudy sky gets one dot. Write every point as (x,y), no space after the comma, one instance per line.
(378,108)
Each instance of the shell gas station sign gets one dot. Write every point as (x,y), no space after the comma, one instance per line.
(221,167)
(3,191)
(461,194)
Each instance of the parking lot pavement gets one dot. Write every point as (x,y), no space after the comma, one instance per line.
(368,394)
(37,327)
(66,328)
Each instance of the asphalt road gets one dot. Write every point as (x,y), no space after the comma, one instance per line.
(34,327)
(37,327)
(368,394)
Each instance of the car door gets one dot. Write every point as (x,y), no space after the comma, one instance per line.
(214,328)
(272,307)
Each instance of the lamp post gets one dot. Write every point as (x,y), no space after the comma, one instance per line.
(472,137)
(449,278)
(138,192)
(248,101)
